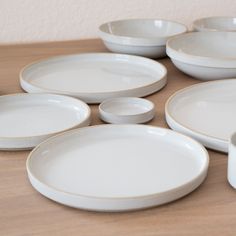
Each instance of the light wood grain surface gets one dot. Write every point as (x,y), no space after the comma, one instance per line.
(210,210)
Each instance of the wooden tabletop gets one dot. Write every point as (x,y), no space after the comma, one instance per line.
(209,210)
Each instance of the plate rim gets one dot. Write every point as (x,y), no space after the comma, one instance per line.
(189,129)
(70,132)
(155,86)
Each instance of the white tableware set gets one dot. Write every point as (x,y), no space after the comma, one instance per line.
(124,166)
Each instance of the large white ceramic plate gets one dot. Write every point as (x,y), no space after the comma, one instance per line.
(28,119)
(206,112)
(117,167)
(95,77)
(215,23)
(204,55)
(144,37)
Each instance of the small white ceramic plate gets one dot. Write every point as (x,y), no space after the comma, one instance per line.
(206,112)
(143,37)
(126,110)
(117,167)
(204,55)
(215,23)
(28,119)
(94,77)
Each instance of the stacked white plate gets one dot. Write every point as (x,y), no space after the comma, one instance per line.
(204,55)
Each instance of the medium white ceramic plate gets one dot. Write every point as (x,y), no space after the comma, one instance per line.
(206,112)
(204,55)
(126,110)
(144,37)
(215,23)
(28,119)
(117,167)
(95,77)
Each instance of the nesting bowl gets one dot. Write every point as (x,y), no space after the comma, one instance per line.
(215,23)
(204,55)
(143,37)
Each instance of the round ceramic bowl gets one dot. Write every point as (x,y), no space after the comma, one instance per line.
(126,110)
(204,55)
(143,37)
(215,23)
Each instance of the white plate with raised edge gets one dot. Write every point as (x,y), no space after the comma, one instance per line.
(28,119)
(204,55)
(94,77)
(143,37)
(206,112)
(215,23)
(117,167)
(126,110)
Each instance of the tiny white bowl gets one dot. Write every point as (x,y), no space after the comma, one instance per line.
(143,37)
(126,110)
(204,55)
(215,23)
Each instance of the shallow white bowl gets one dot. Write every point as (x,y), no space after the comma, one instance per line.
(215,23)
(143,37)
(126,110)
(204,55)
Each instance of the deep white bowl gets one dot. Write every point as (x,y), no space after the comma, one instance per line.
(143,37)
(215,23)
(204,55)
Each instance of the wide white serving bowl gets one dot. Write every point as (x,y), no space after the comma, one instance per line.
(143,37)
(215,23)
(204,55)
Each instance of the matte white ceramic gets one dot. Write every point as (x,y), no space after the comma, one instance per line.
(232,161)
(94,77)
(215,23)
(204,55)
(117,167)
(206,112)
(143,37)
(28,119)
(126,110)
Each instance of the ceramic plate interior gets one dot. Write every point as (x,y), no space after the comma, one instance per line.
(28,119)
(215,23)
(126,110)
(117,167)
(206,112)
(95,77)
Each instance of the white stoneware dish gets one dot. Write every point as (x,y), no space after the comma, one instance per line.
(94,77)
(143,37)
(206,112)
(117,167)
(215,23)
(231,173)
(126,110)
(28,119)
(204,55)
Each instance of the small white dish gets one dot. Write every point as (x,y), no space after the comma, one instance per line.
(232,161)
(94,77)
(204,55)
(143,37)
(126,110)
(28,119)
(215,23)
(206,112)
(117,167)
